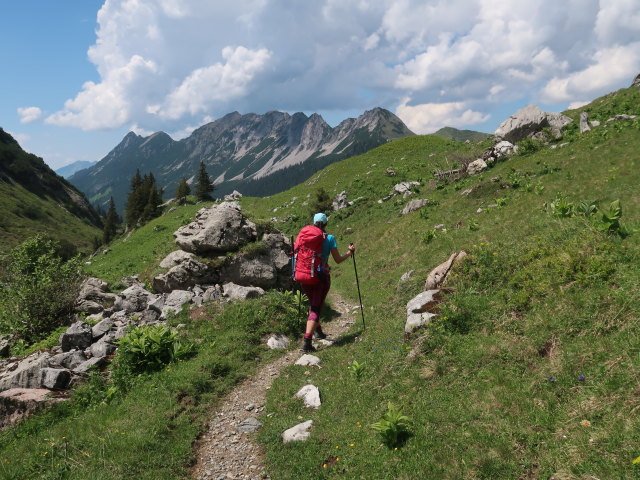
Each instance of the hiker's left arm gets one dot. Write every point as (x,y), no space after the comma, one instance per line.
(341,258)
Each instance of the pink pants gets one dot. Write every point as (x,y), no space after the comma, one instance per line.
(316,295)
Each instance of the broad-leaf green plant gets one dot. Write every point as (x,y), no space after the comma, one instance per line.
(393,426)
(357,369)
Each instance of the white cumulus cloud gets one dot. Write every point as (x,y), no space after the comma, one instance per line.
(164,64)
(220,81)
(429,117)
(608,67)
(29,114)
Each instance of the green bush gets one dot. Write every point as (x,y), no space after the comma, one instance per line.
(393,427)
(146,350)
(38,289)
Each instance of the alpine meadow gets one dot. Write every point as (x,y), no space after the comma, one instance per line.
(524,362)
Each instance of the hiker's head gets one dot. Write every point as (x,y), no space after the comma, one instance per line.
(320,220)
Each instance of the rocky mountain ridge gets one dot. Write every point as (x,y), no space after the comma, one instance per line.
(254,154)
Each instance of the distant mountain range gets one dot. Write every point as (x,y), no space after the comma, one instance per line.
(74,167)
(34,199)
(461,135)
(257,155)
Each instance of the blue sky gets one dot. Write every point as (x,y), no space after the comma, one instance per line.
(77,75)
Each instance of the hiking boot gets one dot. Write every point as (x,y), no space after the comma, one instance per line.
(320,334)
(306,346)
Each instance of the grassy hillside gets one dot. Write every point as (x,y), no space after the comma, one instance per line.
(34,199)
(461,135)
(530,371)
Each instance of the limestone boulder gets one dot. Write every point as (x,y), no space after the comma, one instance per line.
(438,275)
(26,374)
(404,187)
(258,271)
(212,294)
(427,301)
(134,299)
(233,196)
(188,273)
(68,360)
(239,292)
(100,328)
(176,258)
(174,302)
(417,320)
(78,336)
(278,342)
(219,228)
(18,403)
(308,360)
(414,205)
(584,122)
(310,396)
(527,122)
(340,201)
(476,166)
(56,378)
(102,348)
(299,433)
(93,296)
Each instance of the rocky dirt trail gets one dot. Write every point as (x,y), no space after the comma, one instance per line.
(228,450)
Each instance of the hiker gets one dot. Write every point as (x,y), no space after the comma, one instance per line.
(312,271)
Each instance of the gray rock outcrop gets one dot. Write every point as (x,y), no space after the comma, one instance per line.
(310,396)
(529,121)
(278,342)
(340,201)
(308,360)
(133,299)
(93,296)
(239,292)
(175,300)
(219,228)
(100,328)
(438,275)
(68,360)
(27,373)
(188,273)
(299,433)
(636,81)
(584,122)
(175,258)
(422,309)
(18,403)
(78,336)
(414,205)
(56,378)
(476,166)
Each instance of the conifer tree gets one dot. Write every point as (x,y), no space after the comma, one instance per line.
(110,223)
(182,191)
(154,199)
(135,201)
(204,185)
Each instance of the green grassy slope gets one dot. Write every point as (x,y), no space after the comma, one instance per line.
(531,370)
(539,297)
(34,199)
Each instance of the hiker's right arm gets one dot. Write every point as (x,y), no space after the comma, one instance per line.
(341,258)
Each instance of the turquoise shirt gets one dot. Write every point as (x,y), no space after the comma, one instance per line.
(328,244)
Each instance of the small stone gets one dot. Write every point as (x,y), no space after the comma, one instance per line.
(308,360)
(249,407)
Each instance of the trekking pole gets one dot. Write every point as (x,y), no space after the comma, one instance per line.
(355,269)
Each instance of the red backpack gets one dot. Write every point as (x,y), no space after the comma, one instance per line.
(308,255)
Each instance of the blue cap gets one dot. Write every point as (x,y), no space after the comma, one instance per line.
(320,217)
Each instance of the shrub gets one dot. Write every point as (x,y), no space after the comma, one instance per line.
(38,289)
(146,350)
(393,427)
